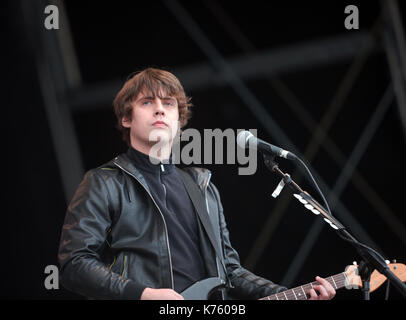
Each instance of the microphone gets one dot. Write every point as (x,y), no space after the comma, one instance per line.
(246,139)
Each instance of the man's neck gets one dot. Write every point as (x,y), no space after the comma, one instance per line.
(144,162)
(160,152)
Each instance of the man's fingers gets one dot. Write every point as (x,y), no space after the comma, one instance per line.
(174,295)
(323,295)
(160,294)
(313,295)
(178,296)
(327,286)
(318,293)
(322,291)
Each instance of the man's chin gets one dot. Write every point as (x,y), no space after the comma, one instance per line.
(160,135)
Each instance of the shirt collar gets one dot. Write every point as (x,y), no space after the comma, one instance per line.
(142,162)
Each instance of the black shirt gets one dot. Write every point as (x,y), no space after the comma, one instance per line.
(168,191)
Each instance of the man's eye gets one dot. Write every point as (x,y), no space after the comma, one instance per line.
(170,103)
(146,102)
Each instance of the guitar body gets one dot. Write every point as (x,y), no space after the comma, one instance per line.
(377,279)
(201,290)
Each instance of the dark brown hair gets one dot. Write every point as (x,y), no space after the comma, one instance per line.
(151,82)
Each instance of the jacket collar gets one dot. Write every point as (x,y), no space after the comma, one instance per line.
(200,175)
(124,163)
(143,162)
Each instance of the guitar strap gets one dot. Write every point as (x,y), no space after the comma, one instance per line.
(199,203)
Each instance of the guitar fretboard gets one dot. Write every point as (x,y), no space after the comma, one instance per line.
(300,293)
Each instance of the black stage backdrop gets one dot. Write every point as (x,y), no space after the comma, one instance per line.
(296,59)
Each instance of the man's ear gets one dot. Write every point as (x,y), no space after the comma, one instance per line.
(125,122)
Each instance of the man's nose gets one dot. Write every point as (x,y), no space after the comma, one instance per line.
(159,108)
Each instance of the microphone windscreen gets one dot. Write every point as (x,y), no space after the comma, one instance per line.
(242,138)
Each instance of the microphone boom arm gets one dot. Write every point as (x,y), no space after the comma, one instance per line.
(370,257)
(304,197)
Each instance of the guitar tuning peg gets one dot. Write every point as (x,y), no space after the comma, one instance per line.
(387,261)
(354,263)
(394,261)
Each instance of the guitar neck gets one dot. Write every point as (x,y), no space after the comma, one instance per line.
(338,281)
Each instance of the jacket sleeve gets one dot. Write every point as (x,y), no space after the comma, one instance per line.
(246,284)
(83,237)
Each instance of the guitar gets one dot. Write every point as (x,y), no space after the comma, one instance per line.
(350,279)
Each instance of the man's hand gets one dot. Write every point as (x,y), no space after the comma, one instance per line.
(324,288)
(160,294)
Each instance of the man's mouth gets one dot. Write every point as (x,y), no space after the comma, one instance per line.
(159,124)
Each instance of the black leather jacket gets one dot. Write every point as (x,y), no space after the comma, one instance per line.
(114,241)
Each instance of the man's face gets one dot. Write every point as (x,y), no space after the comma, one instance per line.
(153,119)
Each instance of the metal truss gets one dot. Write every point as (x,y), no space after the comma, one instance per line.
(252,65)
(57,72)
(395,48)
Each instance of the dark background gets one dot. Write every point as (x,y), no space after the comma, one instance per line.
(296,87)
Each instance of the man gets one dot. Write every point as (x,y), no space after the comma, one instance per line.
(134,229)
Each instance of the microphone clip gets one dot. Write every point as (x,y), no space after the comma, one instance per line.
(279,188)
(272,165)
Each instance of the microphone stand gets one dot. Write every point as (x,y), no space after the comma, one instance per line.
(370,259)
(365,273)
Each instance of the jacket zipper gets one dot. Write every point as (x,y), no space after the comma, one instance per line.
(112,264)
(125,266)
(166,229)
(160,179)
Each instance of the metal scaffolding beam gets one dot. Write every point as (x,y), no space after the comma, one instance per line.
(282,60)
(53,82)
(395,48)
